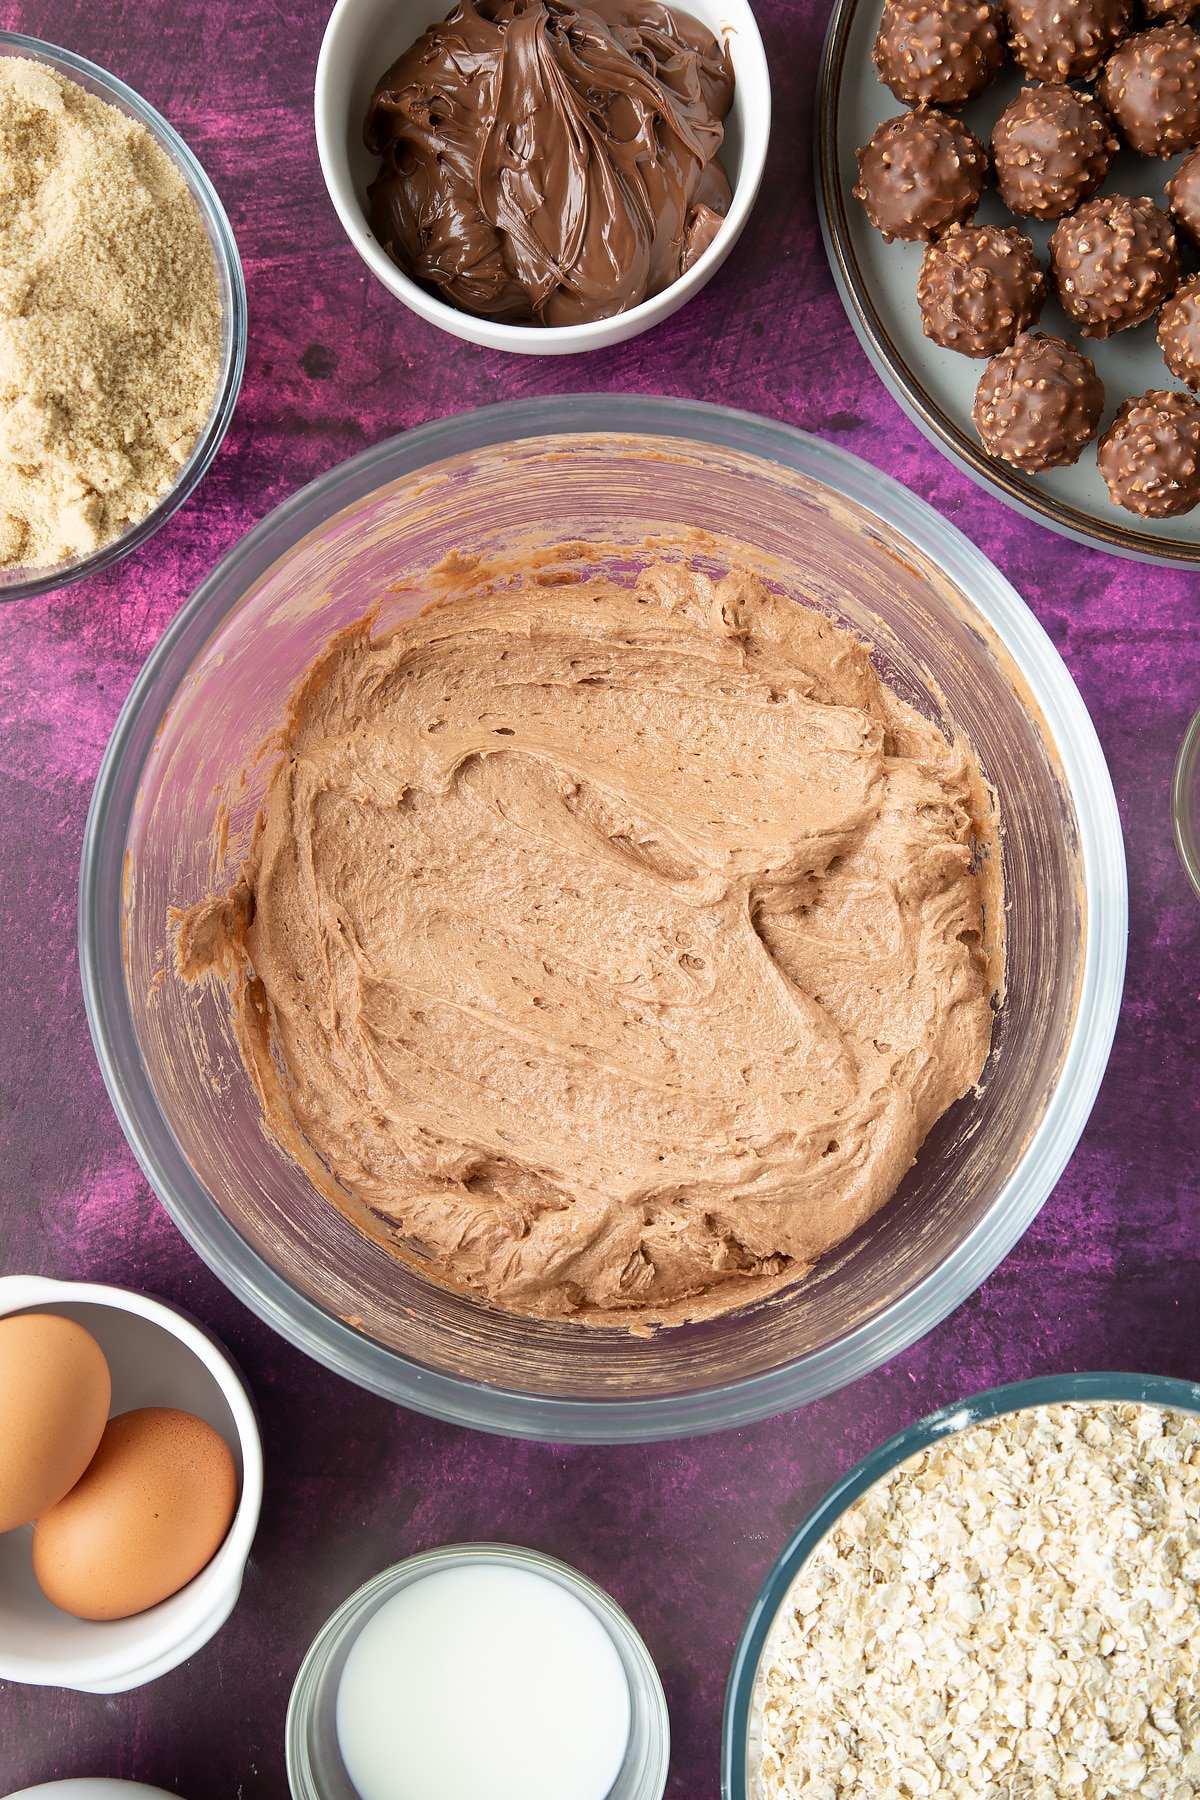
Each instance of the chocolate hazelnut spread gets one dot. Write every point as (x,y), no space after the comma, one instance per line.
(551,163)
(612,948)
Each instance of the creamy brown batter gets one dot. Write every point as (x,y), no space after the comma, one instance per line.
(615,948)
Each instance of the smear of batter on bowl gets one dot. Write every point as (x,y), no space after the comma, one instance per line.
(612,948)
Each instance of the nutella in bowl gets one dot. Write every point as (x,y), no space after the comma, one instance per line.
(550,163)
(609,949)
(541,176)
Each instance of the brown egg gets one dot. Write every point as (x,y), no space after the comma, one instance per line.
(55,1390)
(153,1508)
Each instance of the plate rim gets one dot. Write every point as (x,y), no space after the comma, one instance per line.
(902,383)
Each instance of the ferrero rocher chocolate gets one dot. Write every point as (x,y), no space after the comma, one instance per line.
(1114,263)
(1065,40)
(1150,454)
(1038,403)
(1179,333)
(1151,86)
(1183,195)
(978,287)
(921,173)
(943,52)
(1051,148)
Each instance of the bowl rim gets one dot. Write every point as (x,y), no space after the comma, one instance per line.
(549,340)
(209,1598)
(229,274)
(653,1715)
(907,1317)
(1166,1391)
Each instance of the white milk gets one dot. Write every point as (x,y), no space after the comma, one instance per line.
(483,1682)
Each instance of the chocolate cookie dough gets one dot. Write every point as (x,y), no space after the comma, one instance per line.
(942,52)
(1114,263)
(1051,148)
(920,173)
(550,163)
(608,951)
(1038,403)
(1151,86)
(1150,454)
(1179,333)
(979,285)
(1065,40)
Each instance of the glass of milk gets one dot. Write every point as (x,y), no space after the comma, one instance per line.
(478,1672)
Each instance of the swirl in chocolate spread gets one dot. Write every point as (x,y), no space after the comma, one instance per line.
(549,163)
(613,947)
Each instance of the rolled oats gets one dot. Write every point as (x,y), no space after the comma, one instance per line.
(1012,1613)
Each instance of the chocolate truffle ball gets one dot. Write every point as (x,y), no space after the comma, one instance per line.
(1065,40)
(1179,10)
(1183,196)
(941,51)
(1151,86)
(1114,263)
(1179,333)
(1038,403)
(1150,454)
(920,173)
(978,287)
(1051,147)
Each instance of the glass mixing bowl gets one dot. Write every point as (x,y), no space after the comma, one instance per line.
(740,1749)
(183,778)
(20,583)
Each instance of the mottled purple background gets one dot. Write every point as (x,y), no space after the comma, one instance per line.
(684,1533)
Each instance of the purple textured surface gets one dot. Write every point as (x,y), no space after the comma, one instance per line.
(681,1534)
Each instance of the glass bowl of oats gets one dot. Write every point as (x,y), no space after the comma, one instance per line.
(122,319)
(1002,1600)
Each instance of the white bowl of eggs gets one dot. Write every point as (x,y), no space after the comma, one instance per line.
(130,1485)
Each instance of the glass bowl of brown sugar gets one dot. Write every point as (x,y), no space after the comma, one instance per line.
(119,411)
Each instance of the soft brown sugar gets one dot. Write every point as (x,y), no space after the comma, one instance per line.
(110,319)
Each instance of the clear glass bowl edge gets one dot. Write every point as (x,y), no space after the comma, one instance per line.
(231,279)
(517,1414)
(644,1774)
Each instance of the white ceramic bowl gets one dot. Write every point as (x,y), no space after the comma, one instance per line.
(364,37)
(157,1357)
(91,1787)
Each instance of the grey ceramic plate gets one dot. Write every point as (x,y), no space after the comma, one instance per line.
(936,387)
